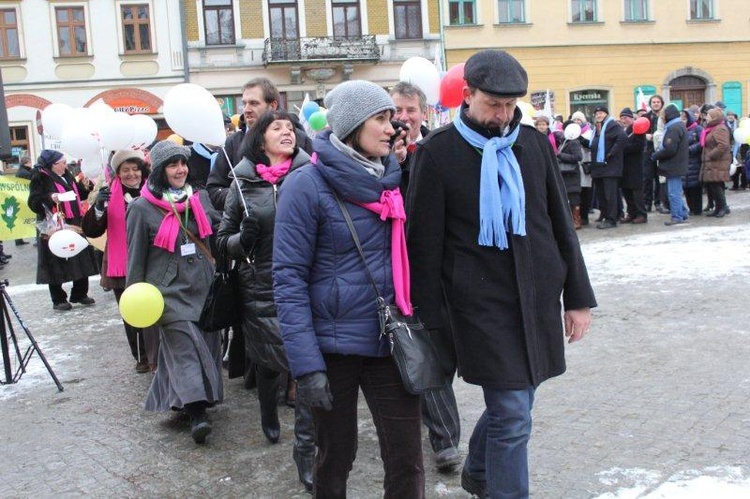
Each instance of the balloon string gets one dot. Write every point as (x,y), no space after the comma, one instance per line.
(239,190)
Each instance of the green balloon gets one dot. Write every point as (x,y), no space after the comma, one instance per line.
(317,121)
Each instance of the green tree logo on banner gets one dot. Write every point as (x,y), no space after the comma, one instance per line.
(10,209)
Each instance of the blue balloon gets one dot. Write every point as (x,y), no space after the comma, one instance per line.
(309,108)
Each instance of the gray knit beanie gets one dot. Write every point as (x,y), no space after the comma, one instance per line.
(352,102)
(160,157)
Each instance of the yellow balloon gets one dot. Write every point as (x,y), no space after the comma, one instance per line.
(235,120)
(176,139)
(745,122)
(141,304)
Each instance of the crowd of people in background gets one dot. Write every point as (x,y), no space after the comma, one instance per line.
(683,155)
(282,205)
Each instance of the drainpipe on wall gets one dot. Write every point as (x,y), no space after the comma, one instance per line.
(183,29)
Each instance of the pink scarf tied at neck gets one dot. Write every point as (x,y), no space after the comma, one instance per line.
(62,190)
(273,173)
(117,247)
(391,205)
(169,229)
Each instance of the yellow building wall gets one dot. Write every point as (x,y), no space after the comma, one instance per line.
(377,17)
(433,16)
(315,13)
(251,19)
(620,69)
(191,21)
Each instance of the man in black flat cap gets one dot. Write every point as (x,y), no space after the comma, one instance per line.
(632,170)
(492,250)
(607,146)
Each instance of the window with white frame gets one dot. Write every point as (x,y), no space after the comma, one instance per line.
(407,17)
(284,19)
(701,9)
(218,22)
(511,11)
(10,47)
(583,11)
(136,28)
(346,18)
(462,12)
(636,10)
(70,22)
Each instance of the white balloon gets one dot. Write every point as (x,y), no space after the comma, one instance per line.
(66,243)
(144,130)
(527,112)
(588,134)
(116,132)
(194,114)
(733,167)
(100,113)
(741,135)
(81,119)
(91,166)
(422,73)
(572,131)
(78,143)
(53,119)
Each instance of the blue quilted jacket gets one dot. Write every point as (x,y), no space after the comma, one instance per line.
(324,300)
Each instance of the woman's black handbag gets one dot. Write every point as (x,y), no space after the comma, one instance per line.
(411,344)
(222,302)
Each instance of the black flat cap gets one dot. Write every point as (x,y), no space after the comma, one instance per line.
(496,72)
(627,112)
(601,108)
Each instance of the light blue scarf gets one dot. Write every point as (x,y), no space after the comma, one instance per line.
(502,200)
(600,144)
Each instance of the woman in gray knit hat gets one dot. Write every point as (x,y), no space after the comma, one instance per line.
(325,300)
(168,228)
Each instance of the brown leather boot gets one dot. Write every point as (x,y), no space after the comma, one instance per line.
(576,211)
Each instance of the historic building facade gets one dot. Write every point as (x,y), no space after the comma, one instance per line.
(591,52)
(304,46)
(126,53)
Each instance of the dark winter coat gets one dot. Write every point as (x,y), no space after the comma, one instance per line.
(673,153)
(324,300)
(695,151)
(504,306)
(50,268)
(406,165)
(219,179)
(632,160)
(199,165)
(614,144)
(259,322)
(24,172)
(569,157)
(717,153)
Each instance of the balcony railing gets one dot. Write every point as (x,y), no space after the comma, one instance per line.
(327,48)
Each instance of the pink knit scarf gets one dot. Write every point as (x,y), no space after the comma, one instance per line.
(551,138)
(169,229)
(705,133)
(117,248)
(272,174)
(61,189)
(391,205)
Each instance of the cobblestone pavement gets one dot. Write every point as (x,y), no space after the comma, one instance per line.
(658,390)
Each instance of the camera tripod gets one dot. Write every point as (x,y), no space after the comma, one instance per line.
(6,331)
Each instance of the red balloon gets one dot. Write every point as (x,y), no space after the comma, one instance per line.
(451,87)
(641,125)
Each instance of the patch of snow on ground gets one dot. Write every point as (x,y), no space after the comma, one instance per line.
(723,482)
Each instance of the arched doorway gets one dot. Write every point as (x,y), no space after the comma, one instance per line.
(688,90)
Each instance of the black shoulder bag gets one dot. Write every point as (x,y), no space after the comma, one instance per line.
(411,345)
(222,304)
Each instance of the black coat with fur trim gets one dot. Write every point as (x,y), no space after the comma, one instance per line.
(504,306)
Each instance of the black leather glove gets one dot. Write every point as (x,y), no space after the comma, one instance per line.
(313,390)
(249,230)
(102,198)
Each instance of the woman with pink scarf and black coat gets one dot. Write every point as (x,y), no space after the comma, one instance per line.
(269,154)
(48,182)
(108,215)
(168,230)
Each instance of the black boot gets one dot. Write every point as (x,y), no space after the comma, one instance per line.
(199,425)
(268,387)
(304,445)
